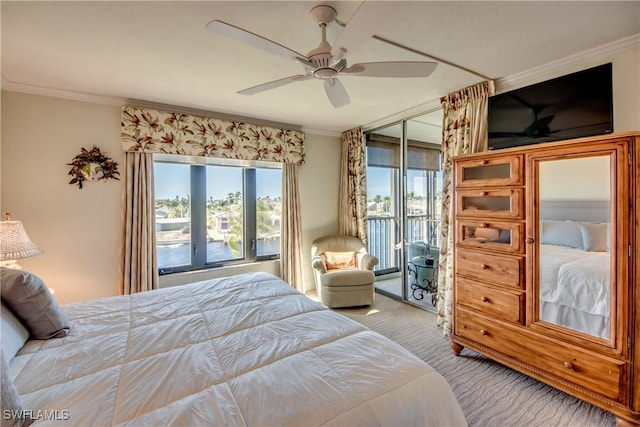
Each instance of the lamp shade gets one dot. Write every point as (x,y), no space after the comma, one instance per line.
(14,242)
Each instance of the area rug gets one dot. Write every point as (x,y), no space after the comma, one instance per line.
(489,393)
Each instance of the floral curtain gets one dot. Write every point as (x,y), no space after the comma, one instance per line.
(291,239)
(353,186)
(140,259)
(464,130)
(153,131)
(146,131)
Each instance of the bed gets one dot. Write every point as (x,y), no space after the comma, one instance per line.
(247,350)
(575,275)
(575,290)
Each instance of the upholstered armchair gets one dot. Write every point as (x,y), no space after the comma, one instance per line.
(342,268)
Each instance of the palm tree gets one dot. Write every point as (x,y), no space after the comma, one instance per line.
(387,204)
(185,205)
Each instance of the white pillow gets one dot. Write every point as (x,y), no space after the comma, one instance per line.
(561,233)
(14,334)
(595,237)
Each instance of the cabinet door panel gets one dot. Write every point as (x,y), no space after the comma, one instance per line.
(576,217)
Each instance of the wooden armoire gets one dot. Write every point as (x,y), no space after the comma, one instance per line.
(546,249)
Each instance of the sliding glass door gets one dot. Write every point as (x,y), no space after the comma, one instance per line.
(403,191)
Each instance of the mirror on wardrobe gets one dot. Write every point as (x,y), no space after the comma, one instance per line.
(575,243)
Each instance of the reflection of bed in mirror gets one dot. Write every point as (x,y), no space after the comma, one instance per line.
(575,258)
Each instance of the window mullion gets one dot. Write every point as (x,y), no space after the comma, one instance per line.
(250,231)
(198,216)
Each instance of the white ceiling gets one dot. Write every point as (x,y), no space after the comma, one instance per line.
(160,52)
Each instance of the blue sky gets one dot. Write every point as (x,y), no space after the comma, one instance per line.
(378,182)
(173,180)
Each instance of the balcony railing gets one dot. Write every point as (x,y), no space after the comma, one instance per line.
(384,234)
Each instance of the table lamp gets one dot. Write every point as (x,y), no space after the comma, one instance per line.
(14,243)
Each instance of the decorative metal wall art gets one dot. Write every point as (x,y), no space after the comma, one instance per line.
(92,165)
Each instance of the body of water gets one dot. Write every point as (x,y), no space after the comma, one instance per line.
(177,255)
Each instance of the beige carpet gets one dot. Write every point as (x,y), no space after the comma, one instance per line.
(490,394)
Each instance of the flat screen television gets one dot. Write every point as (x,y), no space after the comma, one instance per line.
(576,105)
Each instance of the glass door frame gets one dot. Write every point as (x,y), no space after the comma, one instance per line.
(399,193)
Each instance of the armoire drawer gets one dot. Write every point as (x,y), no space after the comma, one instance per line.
(599,374)
(501,171)
(490,203)
(490,300)
(501,269)
(491,235)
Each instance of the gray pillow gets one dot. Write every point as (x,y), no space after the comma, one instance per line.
(561,233)
(14,334)
(11,403)
(595,237)
(30,300)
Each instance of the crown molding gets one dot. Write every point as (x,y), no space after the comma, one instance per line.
(10,86)
(322,132)
(120,102)
(567,65)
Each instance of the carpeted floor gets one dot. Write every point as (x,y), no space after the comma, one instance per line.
(490,394)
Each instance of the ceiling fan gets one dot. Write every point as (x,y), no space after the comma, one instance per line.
(325,62)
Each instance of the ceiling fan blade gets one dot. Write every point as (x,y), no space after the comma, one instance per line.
(336,93)
(362,25)
(251,39)
(392,69)
(274,84)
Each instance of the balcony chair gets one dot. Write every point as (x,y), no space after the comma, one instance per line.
(342,270)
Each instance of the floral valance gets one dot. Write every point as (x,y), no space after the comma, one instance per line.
(153,131)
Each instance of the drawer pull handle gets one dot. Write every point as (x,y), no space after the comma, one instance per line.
(569,365)
(530,240)
(483,193)
(484,162)
(484,266)
(484,332)
(484,225)
(484,299)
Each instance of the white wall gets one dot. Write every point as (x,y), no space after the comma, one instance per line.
(585,178)
(626,90)
(81,231)
(319,184)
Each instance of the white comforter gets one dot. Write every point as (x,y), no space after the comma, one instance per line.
(575,278)
(245,350)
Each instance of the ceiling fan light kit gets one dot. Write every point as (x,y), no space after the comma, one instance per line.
(325,62)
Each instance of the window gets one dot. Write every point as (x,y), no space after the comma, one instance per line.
(210,215)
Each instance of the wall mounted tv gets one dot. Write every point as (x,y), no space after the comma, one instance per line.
(571,106)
